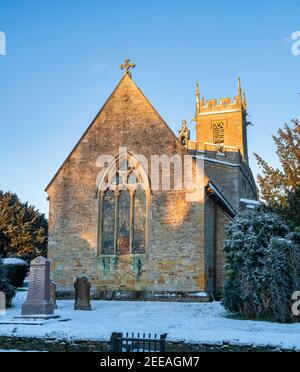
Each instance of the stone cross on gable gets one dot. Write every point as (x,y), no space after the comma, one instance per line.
(126,66)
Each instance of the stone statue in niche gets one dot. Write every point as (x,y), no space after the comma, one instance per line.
(184,133)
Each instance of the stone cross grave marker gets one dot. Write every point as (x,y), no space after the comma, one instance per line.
(82,293)
(38,298)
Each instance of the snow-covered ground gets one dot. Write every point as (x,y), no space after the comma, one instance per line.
(193,322)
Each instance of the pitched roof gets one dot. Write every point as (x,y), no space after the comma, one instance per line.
(220,199)
(126,78)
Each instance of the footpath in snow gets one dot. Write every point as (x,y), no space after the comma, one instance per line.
(205,323)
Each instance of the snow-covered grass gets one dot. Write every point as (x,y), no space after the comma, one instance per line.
(193,322)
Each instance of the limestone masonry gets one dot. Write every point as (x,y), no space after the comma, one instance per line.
(131,239)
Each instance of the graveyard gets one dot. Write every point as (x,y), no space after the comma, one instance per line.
(37,321)
(185,323)
(150,179)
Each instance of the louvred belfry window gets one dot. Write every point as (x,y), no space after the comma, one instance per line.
(123,212)
(219,137)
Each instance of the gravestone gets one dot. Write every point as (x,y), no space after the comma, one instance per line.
(38,298)
(2,304)
(82,293)
(53,294)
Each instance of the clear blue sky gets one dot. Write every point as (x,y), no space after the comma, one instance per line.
(62,63)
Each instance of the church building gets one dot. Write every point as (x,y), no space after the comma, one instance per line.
(115,217)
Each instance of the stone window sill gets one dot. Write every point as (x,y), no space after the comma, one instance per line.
(139,255)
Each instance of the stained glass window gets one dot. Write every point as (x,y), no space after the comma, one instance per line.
(139,222)
(115,180)
(124,219)
(132,178)
(124,223)
(123,166)
(108,240)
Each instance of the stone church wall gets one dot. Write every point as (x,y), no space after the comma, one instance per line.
(231,181)
(221,222)
(174,261)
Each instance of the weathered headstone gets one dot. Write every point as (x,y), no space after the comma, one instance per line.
(53,294)
(82,293)
(38,298)
(2,304)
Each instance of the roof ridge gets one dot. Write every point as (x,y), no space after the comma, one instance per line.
(124,77)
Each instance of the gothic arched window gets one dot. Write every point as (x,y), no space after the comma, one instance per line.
(123,212)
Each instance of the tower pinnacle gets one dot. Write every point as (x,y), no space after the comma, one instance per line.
(239,88)
(244,101)
(198,99)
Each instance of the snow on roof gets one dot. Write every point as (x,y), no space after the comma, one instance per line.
(217,161)
(251,204)
(14,261)
(250,201)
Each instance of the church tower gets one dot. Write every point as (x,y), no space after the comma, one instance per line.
(221,126)
(221,138)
